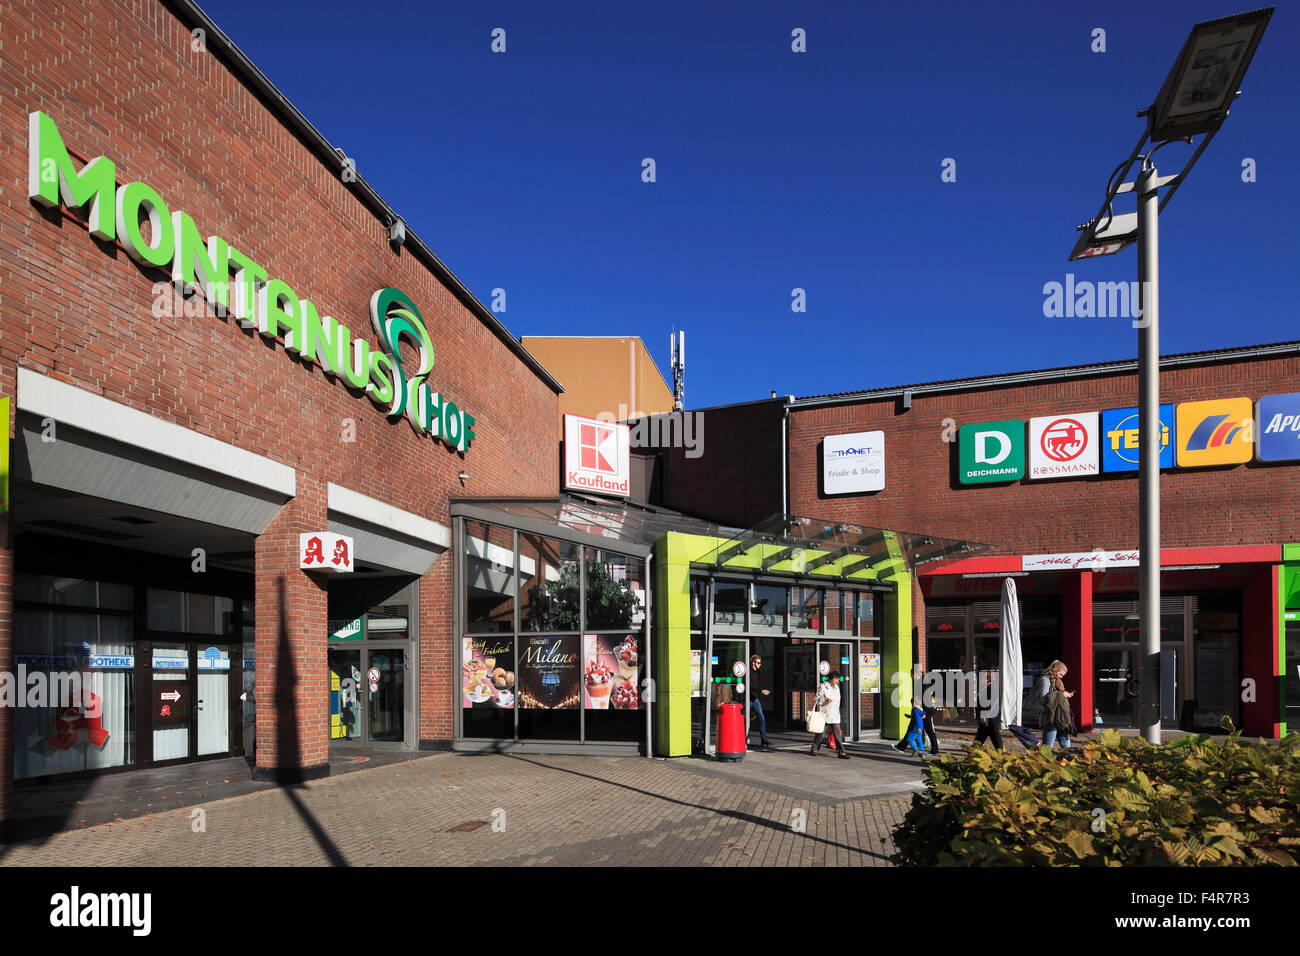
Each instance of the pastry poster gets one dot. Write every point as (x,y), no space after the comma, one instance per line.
(611,672)
(549,673)
(488,672)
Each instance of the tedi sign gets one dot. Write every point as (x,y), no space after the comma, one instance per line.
(233,283)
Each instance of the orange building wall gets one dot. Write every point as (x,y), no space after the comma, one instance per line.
(602,374)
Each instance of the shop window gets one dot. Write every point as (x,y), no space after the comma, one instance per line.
(549,594)
(615,591)
(769,607)
(388,622)
(729,602)
(840,611)
(490,579)
(805,609)
(612,668)
(86,720)
(868,614)
(72,592)
(182,612)
(489,686)
(550,686)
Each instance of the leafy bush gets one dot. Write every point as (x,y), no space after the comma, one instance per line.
(1195,801)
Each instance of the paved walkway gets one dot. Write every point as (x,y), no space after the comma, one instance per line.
(513,810)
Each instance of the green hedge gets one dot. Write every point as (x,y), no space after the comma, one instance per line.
(1197,801)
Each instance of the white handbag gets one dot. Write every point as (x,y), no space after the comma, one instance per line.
(814,719)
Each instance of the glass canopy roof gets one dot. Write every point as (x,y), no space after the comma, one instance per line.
(802,545)
(788,544)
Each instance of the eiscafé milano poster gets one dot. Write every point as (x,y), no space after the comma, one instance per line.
(549,673)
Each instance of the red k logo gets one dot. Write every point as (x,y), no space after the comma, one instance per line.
(598,446)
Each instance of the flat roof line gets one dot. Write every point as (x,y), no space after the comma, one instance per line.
(1175,360)
(189,12)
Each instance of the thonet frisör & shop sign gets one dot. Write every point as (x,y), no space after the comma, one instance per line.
(233,283)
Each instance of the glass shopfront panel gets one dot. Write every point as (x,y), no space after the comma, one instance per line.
(490,579)
(768,610)
(85,717)
(805,609)
(550,585)
(612,668)
(550,687)
(730,600)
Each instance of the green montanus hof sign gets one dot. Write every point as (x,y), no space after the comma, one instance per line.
(990,452)
(234,284)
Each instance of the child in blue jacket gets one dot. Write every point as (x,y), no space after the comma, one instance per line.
(914,739)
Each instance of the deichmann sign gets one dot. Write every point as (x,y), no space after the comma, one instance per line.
(597,456)
(990,452)
(853,463)
(233,282)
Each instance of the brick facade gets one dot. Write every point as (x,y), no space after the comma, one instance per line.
(123,80)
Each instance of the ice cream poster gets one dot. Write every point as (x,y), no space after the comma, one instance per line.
(611,672)
(488,672)
(549,675)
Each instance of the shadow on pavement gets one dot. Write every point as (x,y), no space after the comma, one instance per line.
(731,814)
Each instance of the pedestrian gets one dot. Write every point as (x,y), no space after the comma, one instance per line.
(990,722)
(1058,721)
(756,700)
(915,728)
(828,702)
(931,711)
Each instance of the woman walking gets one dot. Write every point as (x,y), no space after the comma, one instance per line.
(828,702)
(1058,721)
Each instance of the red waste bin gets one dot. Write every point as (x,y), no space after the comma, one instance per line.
(731,732)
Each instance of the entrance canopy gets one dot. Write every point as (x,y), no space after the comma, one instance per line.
(789,544)
(809,546)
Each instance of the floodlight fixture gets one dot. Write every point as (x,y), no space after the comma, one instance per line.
(1207,76)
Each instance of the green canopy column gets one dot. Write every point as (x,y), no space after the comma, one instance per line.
(672,642)
(896,657)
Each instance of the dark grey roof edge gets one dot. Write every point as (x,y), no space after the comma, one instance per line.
(1176,360)
(189,12)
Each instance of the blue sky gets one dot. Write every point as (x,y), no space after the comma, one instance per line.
(821,170)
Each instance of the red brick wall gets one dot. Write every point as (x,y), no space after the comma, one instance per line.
(737,479)
(121,79)
(1245,504)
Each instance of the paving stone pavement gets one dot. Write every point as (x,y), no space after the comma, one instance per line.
(554,810)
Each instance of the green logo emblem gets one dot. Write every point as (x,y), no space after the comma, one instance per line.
(991,452)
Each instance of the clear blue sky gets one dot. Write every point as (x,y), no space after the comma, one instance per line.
(819,170)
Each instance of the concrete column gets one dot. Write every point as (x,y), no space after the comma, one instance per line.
(292,636)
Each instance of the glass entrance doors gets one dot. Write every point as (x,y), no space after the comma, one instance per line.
(728,682)
(367,694)
(190,704)
(842,656)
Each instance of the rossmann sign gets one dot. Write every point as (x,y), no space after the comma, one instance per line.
(597,456)
(233,283)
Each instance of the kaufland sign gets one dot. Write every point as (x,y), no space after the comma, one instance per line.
(597,456)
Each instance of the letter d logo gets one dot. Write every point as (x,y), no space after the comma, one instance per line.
(982,455)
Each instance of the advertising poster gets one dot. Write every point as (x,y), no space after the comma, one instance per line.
(697,673)
(488,672)
(869,669)
(611,672)
(550,673)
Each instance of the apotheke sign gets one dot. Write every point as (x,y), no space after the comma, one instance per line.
(217,268)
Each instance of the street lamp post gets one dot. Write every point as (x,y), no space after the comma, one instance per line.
(1194,100)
